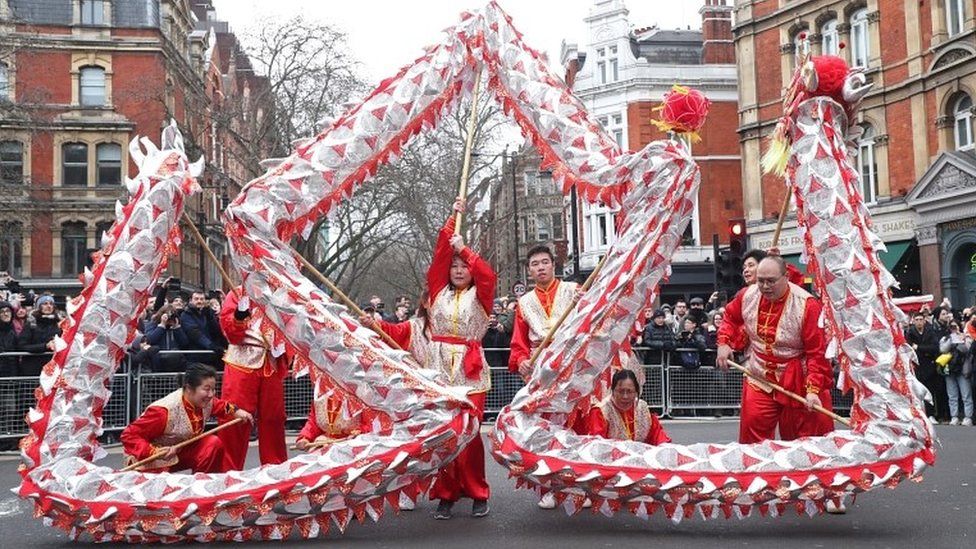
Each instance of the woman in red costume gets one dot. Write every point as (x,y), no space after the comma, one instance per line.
(180,416)
(624,416)
(462,290)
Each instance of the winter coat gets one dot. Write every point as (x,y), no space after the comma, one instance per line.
(34,339)
(926,347)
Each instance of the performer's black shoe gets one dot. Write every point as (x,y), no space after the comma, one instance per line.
(480,508)
(443,511)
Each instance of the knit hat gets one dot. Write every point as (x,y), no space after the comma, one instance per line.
(658,313)
(6,305)
(44,299)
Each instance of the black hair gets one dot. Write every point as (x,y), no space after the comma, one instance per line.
(622,375)
(539,249)
(195,374)
(755,254)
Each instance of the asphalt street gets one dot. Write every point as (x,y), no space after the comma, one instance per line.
(936,513)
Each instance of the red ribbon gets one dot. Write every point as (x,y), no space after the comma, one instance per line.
(472,356)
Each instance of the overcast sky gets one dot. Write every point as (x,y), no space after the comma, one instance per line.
(384,35)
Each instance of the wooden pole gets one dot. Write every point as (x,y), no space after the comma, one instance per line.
(791,394)
(466,164)
(183,444)
(782,217)
(559,322)
(203,245)
(345,299)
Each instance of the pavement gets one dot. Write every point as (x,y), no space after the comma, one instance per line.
(935,514)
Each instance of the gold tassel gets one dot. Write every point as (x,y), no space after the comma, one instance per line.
(776,157)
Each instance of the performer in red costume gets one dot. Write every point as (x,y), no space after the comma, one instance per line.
(784,345)
(177,417)
(538,310)
(624,416)
(254,380)
(462,289)
(327,423)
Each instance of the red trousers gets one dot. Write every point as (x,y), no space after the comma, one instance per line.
(761,413)
(465,476)
(263,397)
(206,455)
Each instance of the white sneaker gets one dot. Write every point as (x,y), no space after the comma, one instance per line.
(835,508)
(548,501)
(968,422)
(954,421)
(933,421)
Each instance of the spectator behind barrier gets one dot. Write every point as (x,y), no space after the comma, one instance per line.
(39,336)
(691,344)
(499,335)
(925,341)
(8,340)
(201,328)
(166,334)
(658,338)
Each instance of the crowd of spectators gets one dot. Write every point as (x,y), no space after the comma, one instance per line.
(682,332)
(943,341)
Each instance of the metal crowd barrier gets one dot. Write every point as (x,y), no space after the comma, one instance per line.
(669,389)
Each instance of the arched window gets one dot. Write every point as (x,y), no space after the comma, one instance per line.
(868,165)
(831,38)
(92,87)
(108,159)
(74,243)
(74,164)
(11,162)
(955,16)
(860,39)
(962,113)
(11,252)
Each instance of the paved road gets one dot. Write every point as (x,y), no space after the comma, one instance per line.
(937,513)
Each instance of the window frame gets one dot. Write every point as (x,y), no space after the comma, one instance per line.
(958,8)
(963,114)
(866,145)
(70,254)
(829,37)
(66,164)
(95,10)
(4,81)
(860,38)
(12,242)
(81,86)
(99,164)
(19,163)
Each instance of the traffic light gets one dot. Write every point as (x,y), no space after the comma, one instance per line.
(737,237)
(728,261)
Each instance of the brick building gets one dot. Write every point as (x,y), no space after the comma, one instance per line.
(916,157)
(527,209)
(621,73)
(79,79)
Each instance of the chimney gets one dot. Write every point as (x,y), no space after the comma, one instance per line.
(717,46)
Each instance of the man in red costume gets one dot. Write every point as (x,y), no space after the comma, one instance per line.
(785,345)
(254,380)
(538,310)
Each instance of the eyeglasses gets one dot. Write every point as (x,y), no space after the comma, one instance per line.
(767,281)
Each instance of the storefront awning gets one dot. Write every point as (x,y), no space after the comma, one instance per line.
(889,258)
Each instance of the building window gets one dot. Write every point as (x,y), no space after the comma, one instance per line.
(528,226)
(108,158)
(74,165)
(860,39)
(11,251)
(543,231)
(91,12)
(11,162)
(92,87)
(831,38)
(955,16)
(614,71)
(557,226)
(74,240)
(601,65)
(868,165)
(963,127)
(4,83)
(531,183)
